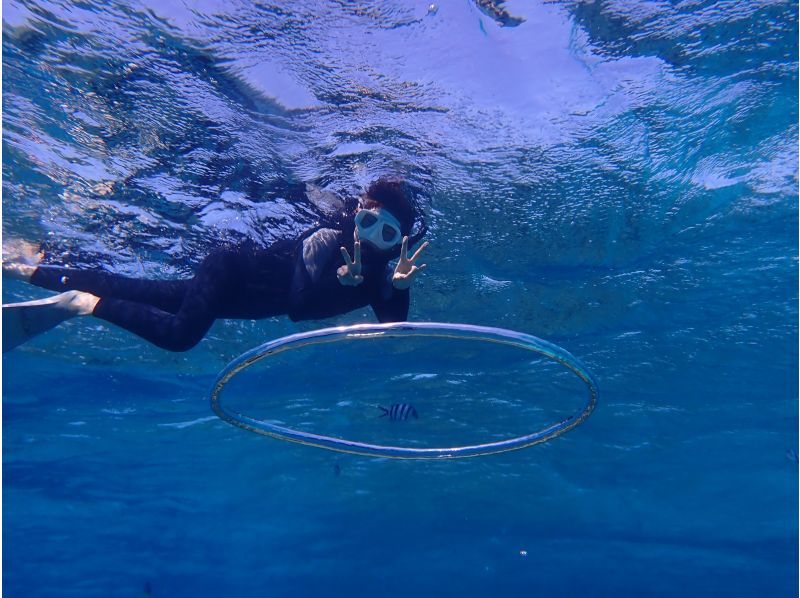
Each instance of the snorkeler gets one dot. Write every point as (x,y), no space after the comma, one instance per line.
(329,270)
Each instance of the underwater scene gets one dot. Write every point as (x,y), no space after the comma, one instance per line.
(616,177)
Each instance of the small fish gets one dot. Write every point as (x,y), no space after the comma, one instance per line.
(792,455)
(399,412)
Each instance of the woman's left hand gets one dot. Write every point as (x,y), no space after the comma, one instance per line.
(406,269)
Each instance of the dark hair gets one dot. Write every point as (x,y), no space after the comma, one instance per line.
(393,195)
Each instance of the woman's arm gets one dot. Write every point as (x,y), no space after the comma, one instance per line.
(391,304)
(313,272)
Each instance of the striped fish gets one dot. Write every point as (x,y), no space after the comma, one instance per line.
(399,411)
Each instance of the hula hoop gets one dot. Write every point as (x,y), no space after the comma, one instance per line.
(404,329)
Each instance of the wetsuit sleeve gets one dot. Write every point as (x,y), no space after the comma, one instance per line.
(314,273)
(391,304)
(317,293)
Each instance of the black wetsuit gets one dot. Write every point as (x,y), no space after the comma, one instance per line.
(295,278)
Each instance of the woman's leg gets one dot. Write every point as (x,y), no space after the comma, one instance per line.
(166,295)
(215,284)
(174,315)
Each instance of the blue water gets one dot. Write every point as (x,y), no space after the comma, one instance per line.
(618,177)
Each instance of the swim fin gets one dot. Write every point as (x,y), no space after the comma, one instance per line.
(23,321)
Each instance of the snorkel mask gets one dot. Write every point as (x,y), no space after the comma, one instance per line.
(378,227)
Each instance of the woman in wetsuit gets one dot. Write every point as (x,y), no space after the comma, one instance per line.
(325,272)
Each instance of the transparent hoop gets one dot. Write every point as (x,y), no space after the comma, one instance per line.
(404,329)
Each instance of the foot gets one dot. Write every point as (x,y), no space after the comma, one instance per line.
(20,259)
(78,303)
(18,271)
(23,321)
(71,303)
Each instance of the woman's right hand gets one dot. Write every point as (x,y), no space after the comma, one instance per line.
(350,274)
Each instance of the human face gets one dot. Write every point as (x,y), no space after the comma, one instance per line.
(379,227)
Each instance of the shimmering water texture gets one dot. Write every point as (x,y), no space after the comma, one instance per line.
(618,177)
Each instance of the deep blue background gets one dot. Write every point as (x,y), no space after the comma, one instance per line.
(618,177)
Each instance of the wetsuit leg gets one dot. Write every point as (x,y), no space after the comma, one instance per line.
(217,282)
(166,295)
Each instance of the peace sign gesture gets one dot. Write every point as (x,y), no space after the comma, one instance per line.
(350,274)
(406,269)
